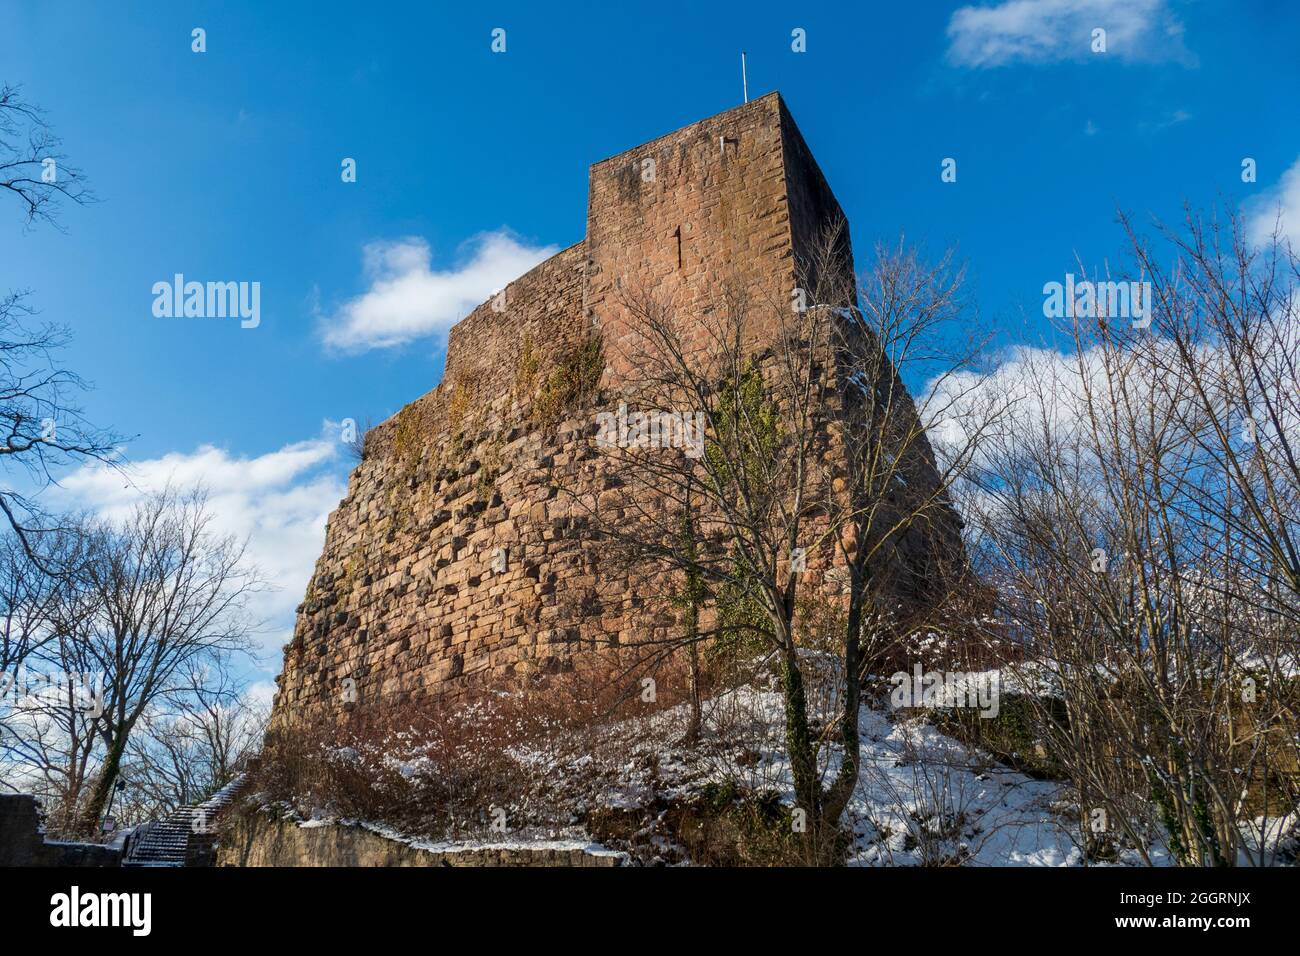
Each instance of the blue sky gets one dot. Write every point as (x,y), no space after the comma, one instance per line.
(225,165)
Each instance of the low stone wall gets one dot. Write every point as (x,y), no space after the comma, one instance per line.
(257,839)
(22,844)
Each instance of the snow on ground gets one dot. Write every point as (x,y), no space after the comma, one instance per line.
(1267,837)
(922,797)
(467,846)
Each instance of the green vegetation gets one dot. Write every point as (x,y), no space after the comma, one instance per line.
(573,382)
(747,433)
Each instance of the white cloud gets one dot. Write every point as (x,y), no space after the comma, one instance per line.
(1167,121)
(408,299)
(1036,389)
(261,693)
(1035,393)
(1045,31)
(278,502)
(1278,208)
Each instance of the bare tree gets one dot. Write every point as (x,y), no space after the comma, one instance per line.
(41,425)
(893,523)
(1143,510)
(811,445)
(33,167)
(143,607)
(41,722)
(192,743)
(27,598)
(160,596)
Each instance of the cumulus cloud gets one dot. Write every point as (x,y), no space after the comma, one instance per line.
(277,502)
(1046,31)
(1278,209)
(1032,393)
(408,299)
(261,693)
(1030,390)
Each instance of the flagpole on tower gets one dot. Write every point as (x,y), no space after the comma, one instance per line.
(744,79)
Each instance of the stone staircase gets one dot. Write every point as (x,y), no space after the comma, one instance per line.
(185,836)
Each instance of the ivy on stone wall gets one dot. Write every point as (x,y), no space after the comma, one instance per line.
(573,382)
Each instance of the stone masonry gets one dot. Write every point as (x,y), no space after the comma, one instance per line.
(455,561)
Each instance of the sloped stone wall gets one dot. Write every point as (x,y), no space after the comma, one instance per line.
(458,557)
(407,596)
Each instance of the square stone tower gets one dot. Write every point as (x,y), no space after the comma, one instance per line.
(735,195)
(454,560)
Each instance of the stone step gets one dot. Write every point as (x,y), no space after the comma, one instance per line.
(168,841)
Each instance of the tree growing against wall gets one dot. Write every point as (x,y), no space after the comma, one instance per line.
(809,444)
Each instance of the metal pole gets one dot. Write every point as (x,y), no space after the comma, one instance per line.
(744,78)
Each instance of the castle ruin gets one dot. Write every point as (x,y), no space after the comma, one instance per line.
(455,561)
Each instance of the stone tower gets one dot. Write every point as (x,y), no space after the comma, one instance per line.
(453,559)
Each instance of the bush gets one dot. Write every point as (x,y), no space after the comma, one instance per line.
(440,769)
(1015,736)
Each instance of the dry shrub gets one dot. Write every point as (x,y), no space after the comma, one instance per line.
(573,382)
(541,751)
(558,755)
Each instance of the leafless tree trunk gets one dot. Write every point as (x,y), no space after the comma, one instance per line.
(1143,511)
(810,444)
(160,596)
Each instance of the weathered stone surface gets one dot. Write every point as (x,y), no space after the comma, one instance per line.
(458,556)
(260,840)
(23,844)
